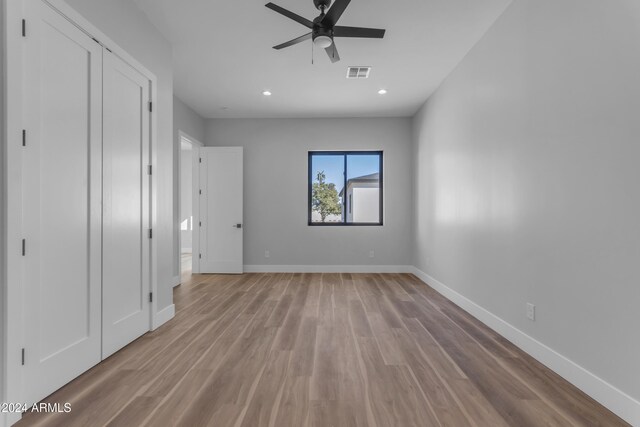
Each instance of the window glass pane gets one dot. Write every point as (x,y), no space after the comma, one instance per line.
(327,180)
(363,188)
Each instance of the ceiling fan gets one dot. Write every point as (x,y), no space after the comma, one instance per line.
(324,28)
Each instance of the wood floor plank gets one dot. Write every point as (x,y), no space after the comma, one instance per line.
(323,413)
(302,359)
(321,350)
(135,413)
(263,407)
(171,410)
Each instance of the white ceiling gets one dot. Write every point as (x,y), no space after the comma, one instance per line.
(223,56)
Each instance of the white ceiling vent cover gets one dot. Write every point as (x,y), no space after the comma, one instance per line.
(358,72)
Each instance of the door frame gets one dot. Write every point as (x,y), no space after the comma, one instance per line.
(11,192)
(195,203)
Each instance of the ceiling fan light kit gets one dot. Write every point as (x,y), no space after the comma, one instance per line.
(324,29)
(322,42)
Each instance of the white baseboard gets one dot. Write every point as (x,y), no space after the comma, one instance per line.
(328,269)
(175,281)
(163,316)
(609,396)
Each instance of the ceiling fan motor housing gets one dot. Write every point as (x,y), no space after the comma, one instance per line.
(319,30)
(322,4)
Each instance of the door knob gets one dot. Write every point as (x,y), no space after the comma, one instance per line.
(237,226)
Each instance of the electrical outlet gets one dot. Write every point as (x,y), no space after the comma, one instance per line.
(372,254)
(267,254)
(531,312)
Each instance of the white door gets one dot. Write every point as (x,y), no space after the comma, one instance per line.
(125,232)
(61,201)
(221,210)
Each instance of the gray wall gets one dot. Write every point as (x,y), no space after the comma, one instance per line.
(127,26)
(275,189)
(185,119)
(526,173)
(189,122)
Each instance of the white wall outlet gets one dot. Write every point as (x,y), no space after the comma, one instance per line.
(267,254)
(372,254)
(531,311)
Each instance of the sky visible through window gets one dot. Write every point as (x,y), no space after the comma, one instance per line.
(333,167)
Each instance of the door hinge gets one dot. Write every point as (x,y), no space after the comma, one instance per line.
(150,170)
(22,356)
(150,107)
(24,247)
(199,191)
(200,223)
(24,137)
(200,159)
(150,296)
(151,233)
(200,256)
(24,28)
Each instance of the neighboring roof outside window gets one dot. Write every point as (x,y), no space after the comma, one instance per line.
(374,177)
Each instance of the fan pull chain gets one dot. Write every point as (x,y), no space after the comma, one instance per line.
(311,53)
(333,45)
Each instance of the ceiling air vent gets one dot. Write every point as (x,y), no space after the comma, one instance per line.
(358,72)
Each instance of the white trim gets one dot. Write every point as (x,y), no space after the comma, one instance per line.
(623,405)
(3,240)
(175,281)
(328,269)
(153,134)
(12,310)
(164,315)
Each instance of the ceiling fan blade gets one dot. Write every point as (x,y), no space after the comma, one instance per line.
(368,33)
(294,41)
(290,15)
(332,51)
(335,12)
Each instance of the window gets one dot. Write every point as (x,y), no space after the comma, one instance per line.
(345,188)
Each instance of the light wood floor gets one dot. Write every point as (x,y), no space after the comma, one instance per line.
(185,267)
(320,350)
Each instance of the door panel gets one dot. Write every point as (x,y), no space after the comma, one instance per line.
(125,283)
(221,210)
(61,207)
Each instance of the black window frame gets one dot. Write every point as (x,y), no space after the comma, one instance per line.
(345,154)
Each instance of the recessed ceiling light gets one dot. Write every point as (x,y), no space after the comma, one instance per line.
(382,91)
(266,93)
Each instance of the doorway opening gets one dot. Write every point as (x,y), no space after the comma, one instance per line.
(187,214)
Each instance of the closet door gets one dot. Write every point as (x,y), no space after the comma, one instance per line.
(61,201)
(125,234)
